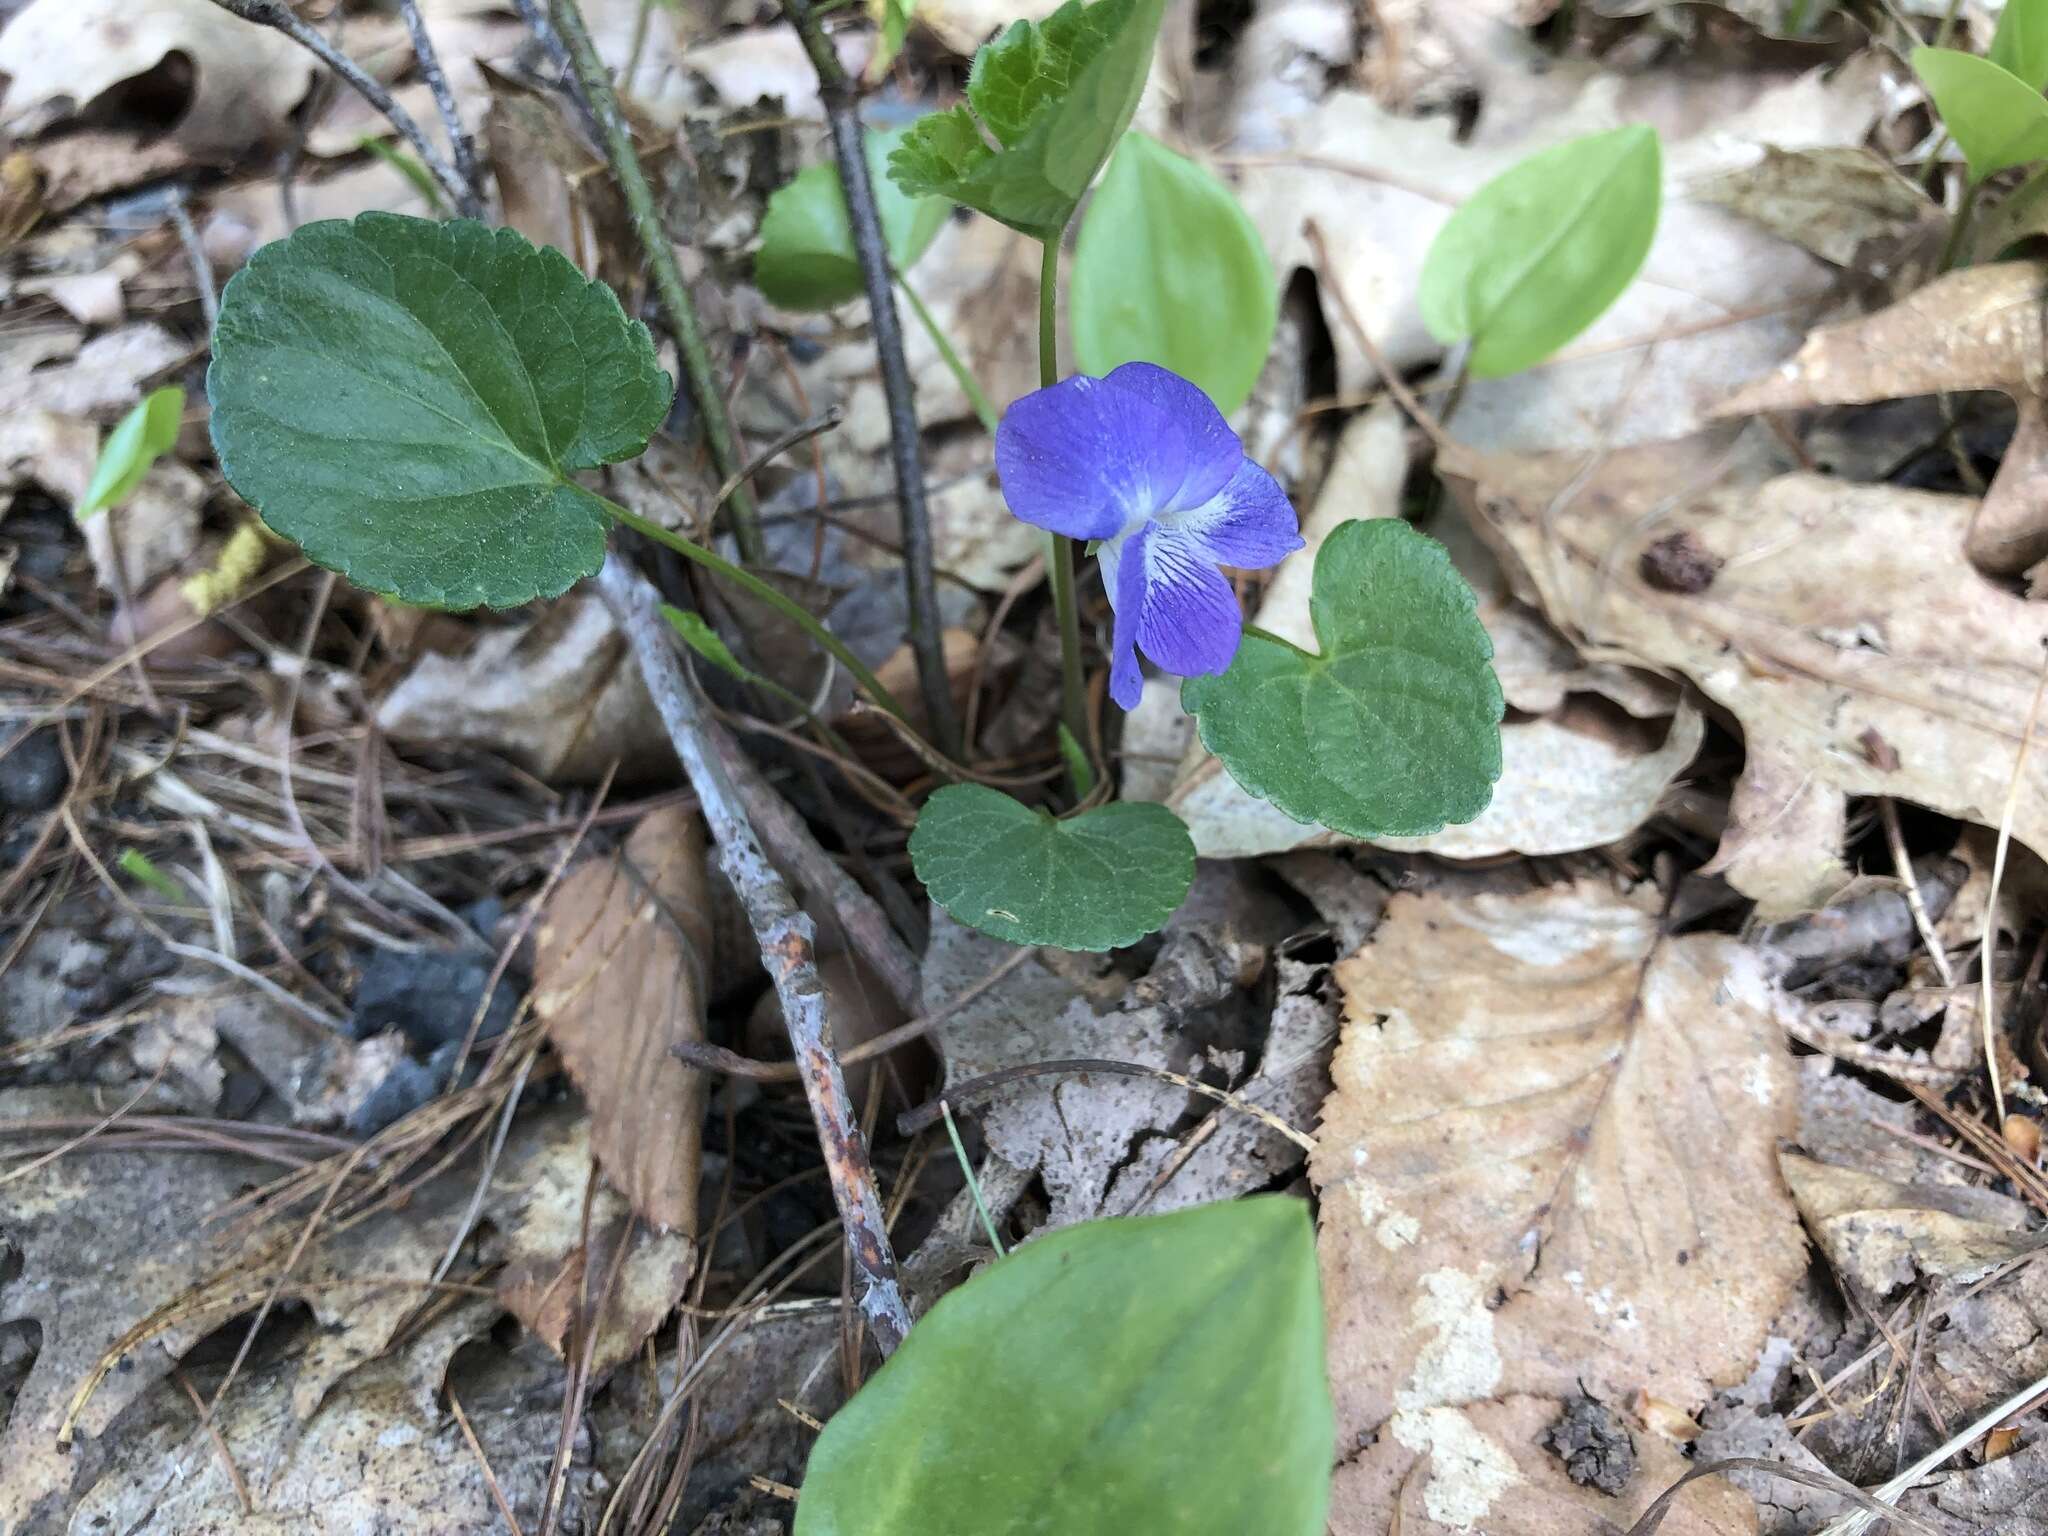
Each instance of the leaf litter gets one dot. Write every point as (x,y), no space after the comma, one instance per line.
(1647,1130)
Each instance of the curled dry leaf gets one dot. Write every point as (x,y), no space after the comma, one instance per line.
(1844,628)
(1845,203)
(1580,774)
(1519,1201)
(1980,328)
(1880,1234)
(621,963)
(61,55)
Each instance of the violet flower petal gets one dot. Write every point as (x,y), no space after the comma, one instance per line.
(1084,457)
(1123,574)
(1249,523)
(1214,451)
(1188,618)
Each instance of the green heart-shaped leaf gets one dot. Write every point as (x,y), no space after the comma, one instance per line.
(1394,730)
(1155,1374)
(2020,45)
(1538,253)
(1997,120)
(407,401)
(807,259)
(142,437)
(1163,239)
(1055,96)
(1104,878)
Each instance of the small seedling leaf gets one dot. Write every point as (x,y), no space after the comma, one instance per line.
(807,258)
(1394,729)
(1054,96)
(1104,878)
(408,401)
(1147,1373)
(1997,120)
(1538,253)
(1164,240)
(138,440)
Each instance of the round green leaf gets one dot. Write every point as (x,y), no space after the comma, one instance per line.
(1394,730)
(1104,878)
(1162,240)
(1155,1374)
(807,259)
(141,437)
(1997,120)
(407,401)
(1538,253)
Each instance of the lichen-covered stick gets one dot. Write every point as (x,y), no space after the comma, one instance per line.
(784,934)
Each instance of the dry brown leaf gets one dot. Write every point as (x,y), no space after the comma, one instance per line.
(1861,651)
(619,976)
(1880,1234)
(61,55)
(552,1284)
(1844,203)
(559,694)
(1548,1166)
(1980,328)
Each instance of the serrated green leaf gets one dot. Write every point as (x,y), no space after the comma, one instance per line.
(2020,45)
(1102,879)
(1394,729)
(138,440)
(807,259)
(407,401)
(1162,240)
(1538,253)
(1154,1374)
(1997,120)
(1055,96)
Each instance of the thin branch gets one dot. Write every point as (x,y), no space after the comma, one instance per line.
(274,14)
(849,148)
(668,277)
(195,253)
(785,937)
(459,142)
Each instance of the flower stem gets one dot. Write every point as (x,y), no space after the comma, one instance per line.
(755,587)
(1959,226)
(962,375)
(1059,553)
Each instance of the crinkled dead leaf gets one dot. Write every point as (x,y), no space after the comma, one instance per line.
(559,695)
(1880,1234)
(1845,203)
(1842,626)
(1515,1201)
(1580,774)
(1980,328)
(620,972)
(101,379)
(62,55)
(554,1284)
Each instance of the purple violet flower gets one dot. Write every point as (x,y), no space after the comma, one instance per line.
(1143,462)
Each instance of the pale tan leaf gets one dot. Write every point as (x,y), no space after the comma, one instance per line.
(1844,203)
(1548,1167)
(1841,624)
(1881,1234)
(62,55)
(620,970)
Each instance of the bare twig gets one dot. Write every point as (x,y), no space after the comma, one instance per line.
(1987,1002)
(849,148)
(276,15)
(668,278)
(784,934)
(460,145)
